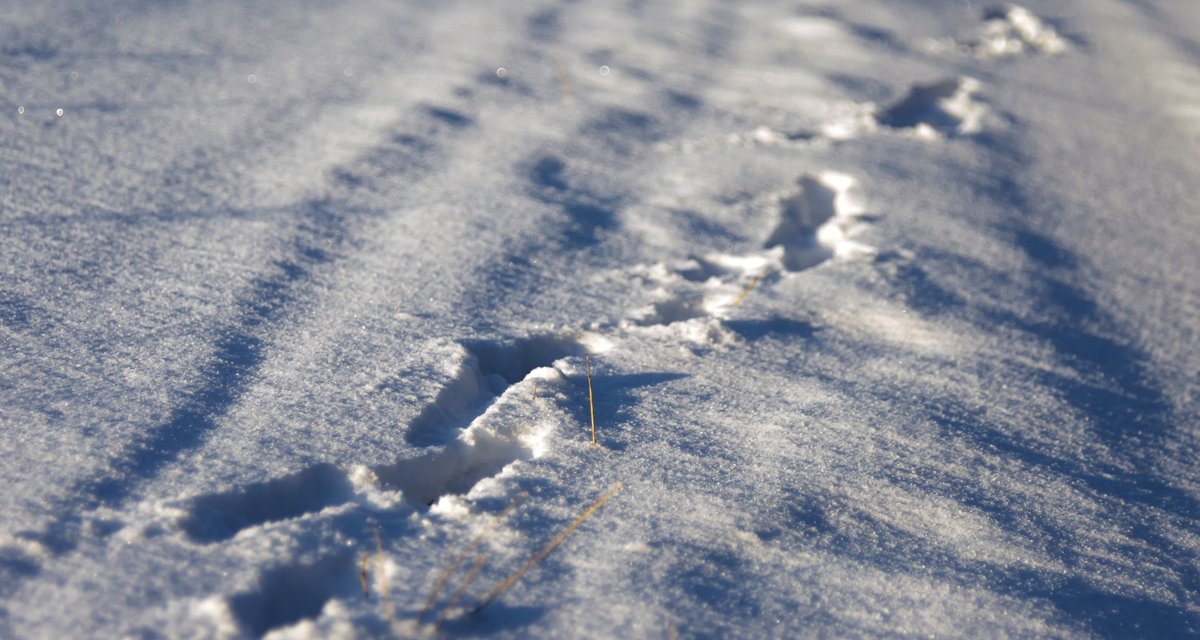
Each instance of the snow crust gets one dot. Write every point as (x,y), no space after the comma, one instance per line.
(885,312)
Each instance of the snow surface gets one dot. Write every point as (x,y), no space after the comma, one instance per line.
(892,311)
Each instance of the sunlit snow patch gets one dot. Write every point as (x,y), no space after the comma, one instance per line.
(851,121)
(1008,30)
(1011,30)
(722,265)
(814,28)
(595,343)
(203,617)
(877,321)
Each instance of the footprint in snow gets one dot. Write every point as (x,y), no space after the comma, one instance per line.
(1008,30)
(944,108)
(479,424)
(814,222)
(464,444)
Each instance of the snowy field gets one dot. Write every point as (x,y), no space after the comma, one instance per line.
(891,310)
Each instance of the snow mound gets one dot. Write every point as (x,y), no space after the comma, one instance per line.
(1008,30)
(1013,30)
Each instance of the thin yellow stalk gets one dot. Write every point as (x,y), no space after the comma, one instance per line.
(462,556)
(753,283)
(550,546)
(591,401)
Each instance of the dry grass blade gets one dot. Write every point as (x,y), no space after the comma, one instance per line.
(458,560)
(753,283)
(550,546)
(385,590)
(591,400)
(462,589)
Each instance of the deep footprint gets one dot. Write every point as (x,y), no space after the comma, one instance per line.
(472,448)
(220,516)
(451,470)
(946,106)
(289,594)
(488,370)
(490,367)
(812,222)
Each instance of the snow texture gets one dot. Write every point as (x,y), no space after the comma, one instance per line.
(887,311)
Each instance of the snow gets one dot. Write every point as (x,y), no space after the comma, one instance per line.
(890,307)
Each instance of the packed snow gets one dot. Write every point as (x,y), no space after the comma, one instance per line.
(886,314)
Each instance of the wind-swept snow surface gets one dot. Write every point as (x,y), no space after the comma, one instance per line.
(887,312)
